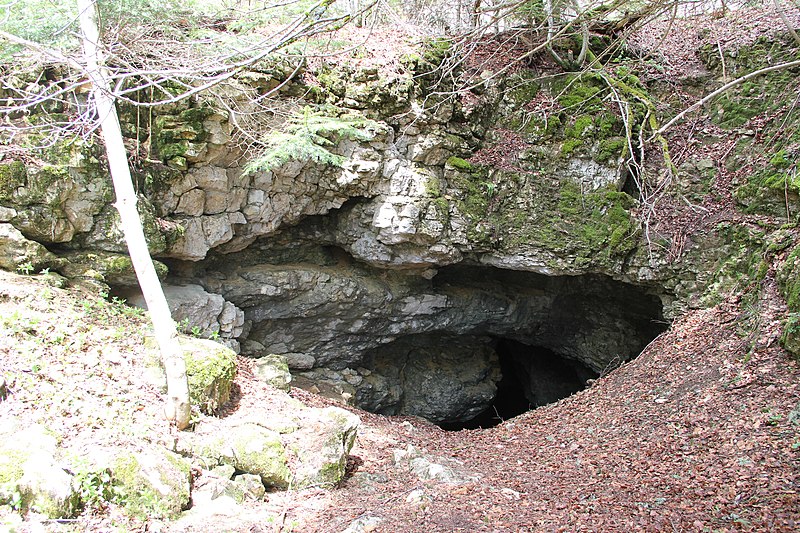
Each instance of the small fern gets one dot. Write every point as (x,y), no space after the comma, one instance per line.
(306,138)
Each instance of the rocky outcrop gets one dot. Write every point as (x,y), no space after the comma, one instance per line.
(198,312)
(310,447)
(31,476)
(19,253)
(396,269)
(58,201)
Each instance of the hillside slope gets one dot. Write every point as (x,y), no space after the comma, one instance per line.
(695,434)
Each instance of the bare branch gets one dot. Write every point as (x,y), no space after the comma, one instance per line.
(782,14)
(724,88)
(53,54)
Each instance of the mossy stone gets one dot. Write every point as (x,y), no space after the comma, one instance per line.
(113,268)
(249,448)
(460,164)
(791,334)
(12,176)
(152,484)
(322,445)
(178,137)
(789,280)
(211,369)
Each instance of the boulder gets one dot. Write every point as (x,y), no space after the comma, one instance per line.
(322,444)
(249,448)
(220,483)
(30,475)
(274,370)
(47,488)
(211,369)
(299,361)
(17,252)
(246,487)
(153,482)
(308,448)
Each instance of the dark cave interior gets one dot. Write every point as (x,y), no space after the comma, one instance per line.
(533,376)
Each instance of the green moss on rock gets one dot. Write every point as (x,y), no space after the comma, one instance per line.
(249,448)
(322,445)
(772,191)
(11,462)
(179,138)
(580,93)
(425,62)
(107,232)
(751,98)
(611,149)
(460,164)
(113,268)
(569,146)
(788,277)
(12,176)
(152,484)
(517,211)
(211,369)
(521,89)
(741,265)
(791,334)
(789,280)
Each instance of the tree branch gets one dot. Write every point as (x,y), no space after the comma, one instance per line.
(726,87)
(44,50)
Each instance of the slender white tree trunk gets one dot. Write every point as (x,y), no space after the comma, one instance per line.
(178,407)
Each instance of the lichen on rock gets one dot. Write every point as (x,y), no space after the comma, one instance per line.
(30,475)
(211,369)
(249,448)
(151,483)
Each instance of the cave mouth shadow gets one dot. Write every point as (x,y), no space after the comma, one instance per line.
(532,376)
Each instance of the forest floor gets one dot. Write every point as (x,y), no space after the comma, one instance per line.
(699,433)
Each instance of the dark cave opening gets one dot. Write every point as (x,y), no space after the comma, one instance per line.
(483,345)
(532,376)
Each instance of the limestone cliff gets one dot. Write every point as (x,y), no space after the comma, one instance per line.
(392,259)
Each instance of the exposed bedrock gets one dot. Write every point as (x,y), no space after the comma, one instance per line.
(399,343)
(456,255)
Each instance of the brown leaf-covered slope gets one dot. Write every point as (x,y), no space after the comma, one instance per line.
(701,432)
(698,433)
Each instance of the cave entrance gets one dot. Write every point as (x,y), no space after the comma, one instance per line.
(532,376)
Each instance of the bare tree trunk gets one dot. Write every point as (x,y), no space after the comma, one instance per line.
(355,12)
(475,15)
(178,407)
